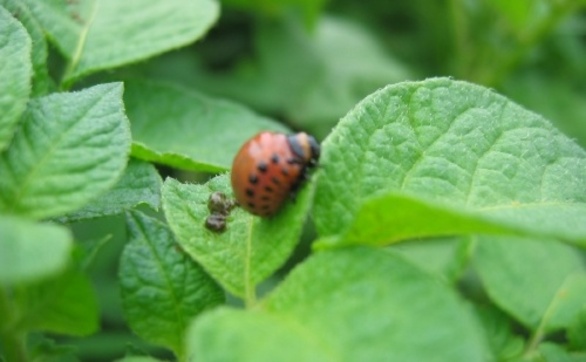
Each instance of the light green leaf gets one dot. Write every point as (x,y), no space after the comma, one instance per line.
(41,80)
(475,161)
(70,148)
(352,304)
(15,74)
(413,217)
(321,85)
(140,184)
(65,304)
(97,35)
(540,283)
(184,129)
(446,257)
(31,251)
(251,248)
(162,288)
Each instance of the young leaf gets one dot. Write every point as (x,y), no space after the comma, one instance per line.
(65,304)
(15,74)
(251,248)
(184,129)
(70,148)
(162,288)
(31,251)
(96,35)
(540,283)
(352,304)
(140,184)
(455,144)
(41,80)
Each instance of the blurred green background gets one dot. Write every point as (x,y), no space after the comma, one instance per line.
(308,62)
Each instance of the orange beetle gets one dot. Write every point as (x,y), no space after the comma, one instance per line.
(270,167)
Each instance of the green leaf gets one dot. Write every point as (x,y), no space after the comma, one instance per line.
(41,80)
(70,148)
(577,331)
(31,251)
(140,184)
(472,158)
(414,217)
(96,35)
(498,330)
(65,304)
(446,257)
(310,9)
(184,129)
(15,74)
(42,349)
(138,359)
(540,283)
(251,248)
(321,85)
(162,288)
(352,304)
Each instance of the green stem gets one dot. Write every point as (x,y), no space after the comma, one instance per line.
(12,341)
(66,80)
(460,35)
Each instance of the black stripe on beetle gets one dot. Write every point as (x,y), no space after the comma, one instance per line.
(296,146)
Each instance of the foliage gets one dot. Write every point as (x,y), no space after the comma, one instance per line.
(445,222)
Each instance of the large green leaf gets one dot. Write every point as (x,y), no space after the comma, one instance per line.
(140,184)
(162,288)
(451,157)
(541,284)
(97,35)
(15,74)
(354,304)
(64,304)
(326,70)
(70,148)
(251,248)
(185,129)
(41,80)
(30,251)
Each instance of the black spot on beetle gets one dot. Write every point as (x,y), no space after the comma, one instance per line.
(275,158)
(253,179)
(250,192)
(268,189)
(285,172)
(262,166)
(251,204)
(275,180)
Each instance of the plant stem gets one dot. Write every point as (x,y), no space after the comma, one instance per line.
(66,82)
(12,341)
